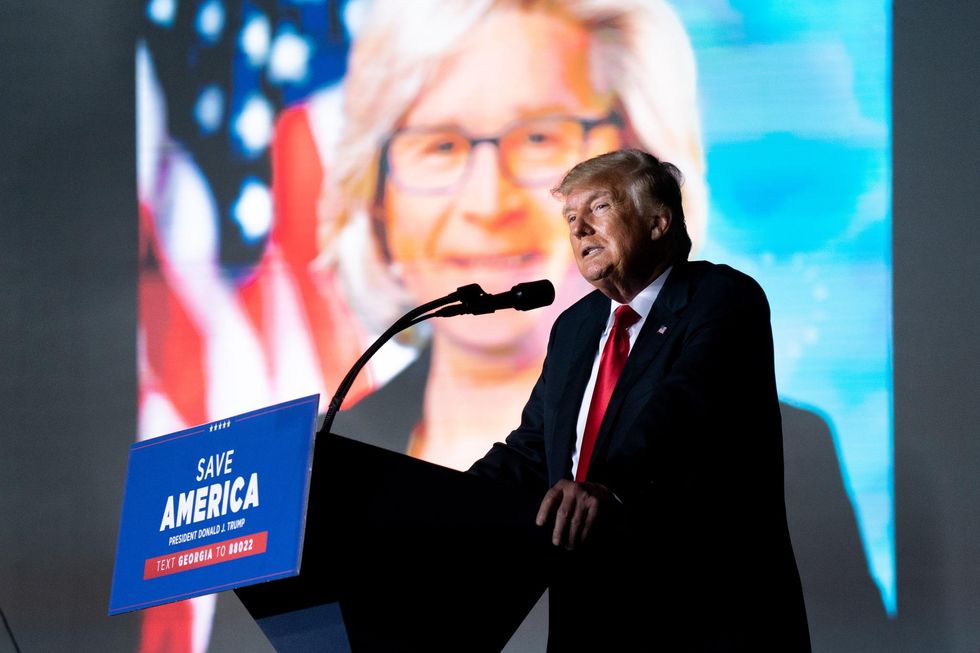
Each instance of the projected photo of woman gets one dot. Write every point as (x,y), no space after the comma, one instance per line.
(456,120)
(443,179)
(427,167)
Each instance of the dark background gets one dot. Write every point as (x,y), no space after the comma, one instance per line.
(68,321)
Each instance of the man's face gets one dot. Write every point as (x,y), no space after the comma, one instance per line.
(489,229)
(614,247)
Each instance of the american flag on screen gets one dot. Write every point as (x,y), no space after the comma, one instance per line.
(212,77)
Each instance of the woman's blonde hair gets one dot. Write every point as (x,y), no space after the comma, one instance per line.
(640,53)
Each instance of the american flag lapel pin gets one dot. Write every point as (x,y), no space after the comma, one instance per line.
(662,330)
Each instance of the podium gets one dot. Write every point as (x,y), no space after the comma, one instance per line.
(404,555)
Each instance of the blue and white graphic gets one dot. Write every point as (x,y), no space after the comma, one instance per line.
(216,506)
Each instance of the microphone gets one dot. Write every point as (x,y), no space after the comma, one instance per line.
(472,300)
(523,297)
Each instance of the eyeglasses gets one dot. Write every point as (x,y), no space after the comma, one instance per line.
(531,152)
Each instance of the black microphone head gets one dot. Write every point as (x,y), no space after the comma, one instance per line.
(533,294)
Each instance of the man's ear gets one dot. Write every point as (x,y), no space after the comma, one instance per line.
(661,223)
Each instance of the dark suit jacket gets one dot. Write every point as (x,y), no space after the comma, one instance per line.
(697,556)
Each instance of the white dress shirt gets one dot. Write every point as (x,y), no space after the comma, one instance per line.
(642,304)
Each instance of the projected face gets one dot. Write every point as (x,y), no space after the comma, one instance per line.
(469,171)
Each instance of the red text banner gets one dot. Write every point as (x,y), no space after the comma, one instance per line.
(203,556)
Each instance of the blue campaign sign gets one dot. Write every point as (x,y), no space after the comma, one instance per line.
(214,507)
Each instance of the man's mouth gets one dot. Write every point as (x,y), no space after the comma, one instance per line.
(589,250)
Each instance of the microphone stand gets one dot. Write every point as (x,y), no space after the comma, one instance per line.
(471,300)
(414,316)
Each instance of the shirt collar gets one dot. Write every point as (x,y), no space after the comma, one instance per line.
(643,302)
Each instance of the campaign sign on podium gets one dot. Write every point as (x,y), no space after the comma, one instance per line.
(215,507)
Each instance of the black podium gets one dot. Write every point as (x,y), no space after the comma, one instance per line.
(403,555)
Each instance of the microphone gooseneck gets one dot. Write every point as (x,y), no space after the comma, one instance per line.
(469,299)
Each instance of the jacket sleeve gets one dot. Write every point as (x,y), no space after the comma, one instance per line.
(521,459)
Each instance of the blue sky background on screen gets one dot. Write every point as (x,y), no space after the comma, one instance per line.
(797,127)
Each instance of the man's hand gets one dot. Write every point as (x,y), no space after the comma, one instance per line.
(575,507)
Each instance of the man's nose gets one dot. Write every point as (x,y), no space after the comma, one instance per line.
(581,226)
(483,195)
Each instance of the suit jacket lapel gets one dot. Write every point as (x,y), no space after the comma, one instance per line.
(584,344)
(658,326)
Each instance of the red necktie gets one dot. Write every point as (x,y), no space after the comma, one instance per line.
(610,365)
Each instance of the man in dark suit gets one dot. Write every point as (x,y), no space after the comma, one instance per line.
(654,434)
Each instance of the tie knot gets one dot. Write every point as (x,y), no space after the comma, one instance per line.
(625,317)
